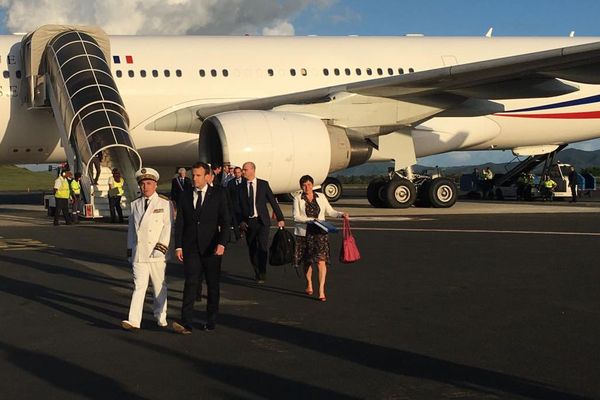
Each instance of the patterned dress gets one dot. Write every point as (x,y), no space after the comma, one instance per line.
(313,247)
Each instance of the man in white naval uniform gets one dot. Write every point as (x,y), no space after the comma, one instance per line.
(148,237)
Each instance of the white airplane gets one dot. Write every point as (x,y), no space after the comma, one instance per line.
(293,105)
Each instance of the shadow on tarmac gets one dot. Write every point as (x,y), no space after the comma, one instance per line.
(399,362)
(260,383)
(65,375)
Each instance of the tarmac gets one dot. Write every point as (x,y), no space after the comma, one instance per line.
(484,300)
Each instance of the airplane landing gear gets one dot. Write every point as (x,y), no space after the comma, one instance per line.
(400,192)
(332,189)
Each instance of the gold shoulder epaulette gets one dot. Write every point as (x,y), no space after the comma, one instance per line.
(162,196)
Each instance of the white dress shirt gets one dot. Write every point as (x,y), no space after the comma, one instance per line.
(195,194)
(254,182)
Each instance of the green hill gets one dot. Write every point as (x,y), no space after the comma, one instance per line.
(13,178)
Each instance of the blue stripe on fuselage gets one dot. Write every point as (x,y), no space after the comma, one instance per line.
(577,102)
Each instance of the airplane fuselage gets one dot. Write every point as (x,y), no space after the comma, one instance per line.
(157,76)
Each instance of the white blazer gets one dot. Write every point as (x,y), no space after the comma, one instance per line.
(300,217)
(149,230)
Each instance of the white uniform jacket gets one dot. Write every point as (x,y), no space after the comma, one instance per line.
(300,217)
(149,232)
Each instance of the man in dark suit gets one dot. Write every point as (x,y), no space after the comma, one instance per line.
(255,218)
(233,188)
(201,233)
(179,185)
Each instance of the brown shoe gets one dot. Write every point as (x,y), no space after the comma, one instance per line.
(128,327)
(178,328)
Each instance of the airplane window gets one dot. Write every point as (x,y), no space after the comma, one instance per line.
(325,72)
(202,73)
(379,71)
(131,73)
(178,73)
(270,72)
(369,71)
(18,74)
(167,73)
(390,71)
(143,73)
(213,72)
(347,71)
(400,71)
(411,70)
(155,73)
(336,71)
(6,74)
(119,73)
(293,72)
(358,72)
(225,73)
(303,72)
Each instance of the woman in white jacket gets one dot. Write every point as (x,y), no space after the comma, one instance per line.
(312,244)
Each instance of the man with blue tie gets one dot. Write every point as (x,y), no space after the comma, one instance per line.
(148,237)
(201,233)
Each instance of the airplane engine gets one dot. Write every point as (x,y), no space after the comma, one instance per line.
(284,146)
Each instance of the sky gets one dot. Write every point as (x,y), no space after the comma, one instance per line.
(320,17)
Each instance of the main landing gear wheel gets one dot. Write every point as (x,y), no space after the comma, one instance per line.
(332,189)
(441,193)
(400,193)
(374,192)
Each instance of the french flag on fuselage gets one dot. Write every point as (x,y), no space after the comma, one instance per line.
(128,59)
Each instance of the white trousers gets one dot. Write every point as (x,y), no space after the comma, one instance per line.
(142,272)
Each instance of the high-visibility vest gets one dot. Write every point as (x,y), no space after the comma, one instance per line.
(75,187)
(119,185)
(64,192)
(549,184)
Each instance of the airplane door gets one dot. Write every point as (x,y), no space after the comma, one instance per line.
(449,61)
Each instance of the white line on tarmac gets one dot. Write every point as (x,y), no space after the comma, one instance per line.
(503,232)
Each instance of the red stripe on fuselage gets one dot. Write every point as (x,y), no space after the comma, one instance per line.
(577,115)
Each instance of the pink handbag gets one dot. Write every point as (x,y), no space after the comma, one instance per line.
(349,252)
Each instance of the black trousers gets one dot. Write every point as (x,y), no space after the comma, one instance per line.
(62,205)
(114,203)
(574,193)
(197,267)
(257,238)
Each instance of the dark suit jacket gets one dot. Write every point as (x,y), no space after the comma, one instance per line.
(263,195)
(234,196)
(203,230)
(176,190)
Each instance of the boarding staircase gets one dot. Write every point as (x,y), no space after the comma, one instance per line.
(526,166)
(67,71)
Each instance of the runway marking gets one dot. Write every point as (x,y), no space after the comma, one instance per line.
(390,218)
(506,232)
(22,244)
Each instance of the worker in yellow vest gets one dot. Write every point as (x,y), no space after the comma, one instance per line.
(115,192)
(76,197)
(548,187)
(62,194)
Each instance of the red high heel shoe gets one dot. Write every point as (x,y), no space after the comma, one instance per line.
(323,298)
(308,292)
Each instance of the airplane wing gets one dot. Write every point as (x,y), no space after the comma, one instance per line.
(523,76)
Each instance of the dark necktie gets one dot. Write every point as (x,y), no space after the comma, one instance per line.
(199,200)
(251,199)
(181,182)
(146,201)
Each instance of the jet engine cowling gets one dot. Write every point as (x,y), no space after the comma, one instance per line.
(284,146)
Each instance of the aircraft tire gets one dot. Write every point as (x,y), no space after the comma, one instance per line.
(442,193)
(285,198)
(400,193)
(374,192)
(332,189)
(423,195)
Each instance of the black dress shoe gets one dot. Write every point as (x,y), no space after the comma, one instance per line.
(208,327)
